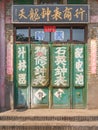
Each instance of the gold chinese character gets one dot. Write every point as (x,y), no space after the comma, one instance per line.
(67,13)
(34,16)
(79,12)
(57,14)
(22,14)
(46,13)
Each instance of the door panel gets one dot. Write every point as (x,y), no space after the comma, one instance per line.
(40,97)
(78,98)
(22,97)
(78,75)
(60,65)
(39,65)
(61,97)
(60,76)
(22,65)
(39,75)
(78,65)
(21,75)
(55,75)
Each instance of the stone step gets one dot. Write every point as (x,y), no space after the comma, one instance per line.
(46,119)
(49,118)
(47,125)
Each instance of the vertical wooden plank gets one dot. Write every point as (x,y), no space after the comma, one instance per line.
(86,76)
(22,66)
(40,97)
(39,65)
(2,53)
(60,66)
(78,74)
(78,65)
(61,97)
(60,76)
(39,75)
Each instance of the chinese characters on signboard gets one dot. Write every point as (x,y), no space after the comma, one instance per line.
(60,66)
(21,65)
(50,14)
(40,65)
(93,56)
(79,65)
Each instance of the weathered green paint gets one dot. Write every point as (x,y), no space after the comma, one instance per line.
(85,73)
(77,1)
(22,92)
(79,89)
(47,94)
(23,2)
(60,65)
(39,75)
(14,78)
(22,64)
(22,97)
(78,67)
(61,97)
(39,65)
(78,98)
(40,97)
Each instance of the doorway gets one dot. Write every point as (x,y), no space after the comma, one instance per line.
(50,72)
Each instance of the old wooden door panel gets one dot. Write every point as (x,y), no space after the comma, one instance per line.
(59,65)
(22,65)
(39,75)
(61,98)
(39,65)
(40,97)
(60,76)
(23,97)
(78,75)
(55,75)
(21,75)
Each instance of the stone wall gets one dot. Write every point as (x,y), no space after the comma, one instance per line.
(9,55)
(2,54)
(92,34)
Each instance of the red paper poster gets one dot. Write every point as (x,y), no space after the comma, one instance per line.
(49,28)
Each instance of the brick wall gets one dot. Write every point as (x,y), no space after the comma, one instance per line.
(92,78)
(2,54)
(9,41)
